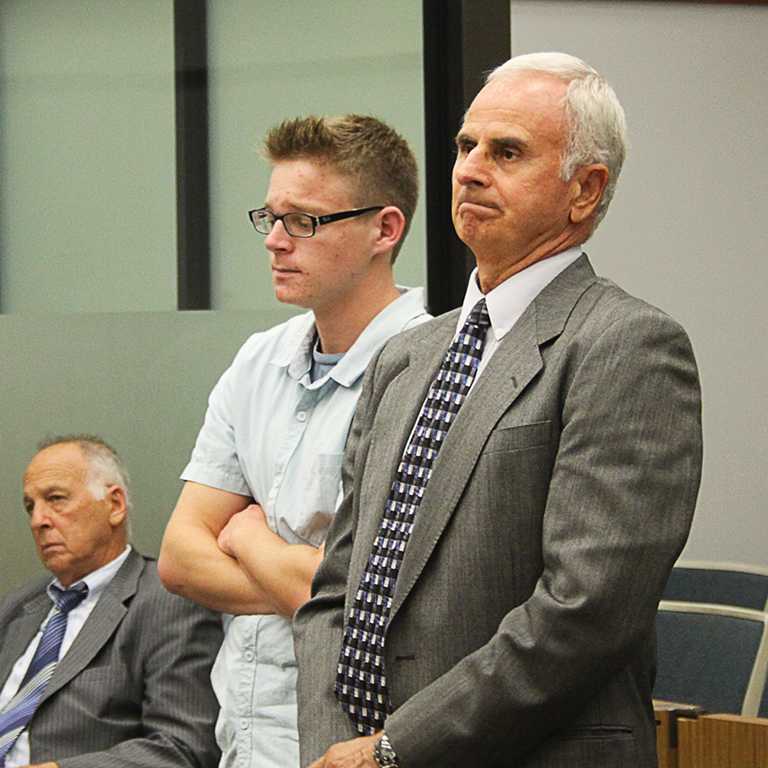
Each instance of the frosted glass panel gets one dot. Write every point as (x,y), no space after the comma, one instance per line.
(87,156)
(273,61)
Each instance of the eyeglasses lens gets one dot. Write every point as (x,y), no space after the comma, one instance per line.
(263,221)
(299,225)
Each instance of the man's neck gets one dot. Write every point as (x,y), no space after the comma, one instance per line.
(493,270)
(340,325)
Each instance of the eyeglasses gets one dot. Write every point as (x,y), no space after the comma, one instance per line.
(300,224)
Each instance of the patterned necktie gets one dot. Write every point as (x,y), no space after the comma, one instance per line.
(361,684)
(19,710)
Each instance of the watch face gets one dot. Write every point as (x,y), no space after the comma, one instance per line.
(384,755)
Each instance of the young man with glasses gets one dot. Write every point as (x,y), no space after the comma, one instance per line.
(264,478)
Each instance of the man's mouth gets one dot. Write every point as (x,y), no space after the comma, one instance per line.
(479,207)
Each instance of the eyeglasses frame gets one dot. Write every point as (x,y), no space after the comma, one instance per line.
(317,221)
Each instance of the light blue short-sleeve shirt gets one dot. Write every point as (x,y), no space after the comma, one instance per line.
(274,435)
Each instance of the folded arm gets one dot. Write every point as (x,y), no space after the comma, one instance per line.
(193,565)
(279,570)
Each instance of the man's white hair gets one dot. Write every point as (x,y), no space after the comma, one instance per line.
(597,126)
(105,467)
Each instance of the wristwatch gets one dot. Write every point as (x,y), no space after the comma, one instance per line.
(384,755)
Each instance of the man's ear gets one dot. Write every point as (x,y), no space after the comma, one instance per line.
(590,182)
(391,225)
(117,505)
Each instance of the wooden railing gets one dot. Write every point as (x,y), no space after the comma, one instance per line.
(686,738)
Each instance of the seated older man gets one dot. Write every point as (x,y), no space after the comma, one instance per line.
(99,666)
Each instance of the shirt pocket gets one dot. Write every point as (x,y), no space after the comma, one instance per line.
(321,495)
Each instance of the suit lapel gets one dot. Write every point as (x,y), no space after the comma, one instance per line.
(396,414)
(100,625)
(20,631)
(515,363)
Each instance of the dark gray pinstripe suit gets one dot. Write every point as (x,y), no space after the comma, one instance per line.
(133,690)
(522,625)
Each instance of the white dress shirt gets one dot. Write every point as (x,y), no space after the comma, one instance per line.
(97,582)
(507,301)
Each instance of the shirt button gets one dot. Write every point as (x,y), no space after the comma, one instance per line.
(301,416)
(244,724)
(249,655)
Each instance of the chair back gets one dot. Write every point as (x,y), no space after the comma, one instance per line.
(697,581)
(714,656)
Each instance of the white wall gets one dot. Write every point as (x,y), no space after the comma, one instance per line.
(686,229)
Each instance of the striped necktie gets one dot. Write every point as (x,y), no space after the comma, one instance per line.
(19,710)
(361,684)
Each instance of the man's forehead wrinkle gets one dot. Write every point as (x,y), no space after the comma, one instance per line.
(527,97)
(497,131)
(53,473)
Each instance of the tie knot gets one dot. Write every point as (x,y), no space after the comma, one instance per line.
(479,315)
(67,599)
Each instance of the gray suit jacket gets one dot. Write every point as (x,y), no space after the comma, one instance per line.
(522,625)
(133,689)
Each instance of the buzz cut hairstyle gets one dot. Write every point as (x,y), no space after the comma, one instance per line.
(105,467)
(376,158)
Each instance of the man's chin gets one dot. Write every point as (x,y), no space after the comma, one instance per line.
(292,298)
(473,232)
(53,557)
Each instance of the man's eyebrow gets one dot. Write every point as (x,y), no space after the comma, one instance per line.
(52,488)
(510,142)
(293,207)
(501,142)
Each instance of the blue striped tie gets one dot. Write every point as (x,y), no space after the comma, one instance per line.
(20,709)
(361,683)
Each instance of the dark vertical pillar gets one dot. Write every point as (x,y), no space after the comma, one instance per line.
(463,41)
(192,185)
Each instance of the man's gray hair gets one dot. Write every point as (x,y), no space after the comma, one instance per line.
(105,467)
(597,126)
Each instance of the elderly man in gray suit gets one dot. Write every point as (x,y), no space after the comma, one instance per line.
(513,504)
(100,667)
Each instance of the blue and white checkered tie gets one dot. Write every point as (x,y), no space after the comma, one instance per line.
(20,709)
(361,684)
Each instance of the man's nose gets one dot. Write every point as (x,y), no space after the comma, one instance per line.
(472,168)
(278,239)
(39,516)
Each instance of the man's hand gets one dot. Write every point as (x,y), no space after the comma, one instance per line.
(243,527)
(282,571)
(43,765)
(355,753)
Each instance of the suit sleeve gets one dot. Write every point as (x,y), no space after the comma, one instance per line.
(319,624)
(621,496)
(176,642)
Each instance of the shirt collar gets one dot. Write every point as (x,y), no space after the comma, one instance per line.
(297,355)
(507,301)
(98,580)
